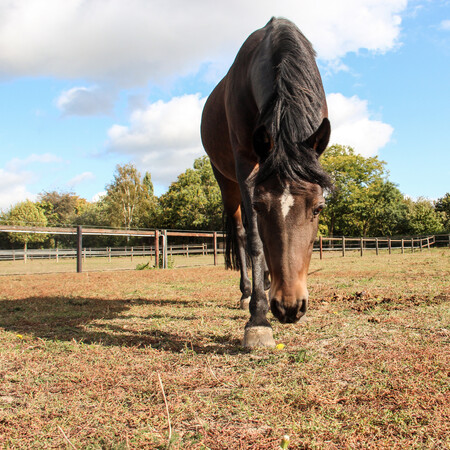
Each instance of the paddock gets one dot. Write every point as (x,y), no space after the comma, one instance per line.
(144,359)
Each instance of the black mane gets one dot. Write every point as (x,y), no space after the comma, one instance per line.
(294,111)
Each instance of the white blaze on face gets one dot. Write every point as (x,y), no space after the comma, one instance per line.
(286,201)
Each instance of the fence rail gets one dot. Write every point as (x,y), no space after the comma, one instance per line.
(107,252)
(345,244)
(161,249)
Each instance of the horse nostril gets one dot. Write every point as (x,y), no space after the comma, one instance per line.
(289,314)
(303,305)
(278,310)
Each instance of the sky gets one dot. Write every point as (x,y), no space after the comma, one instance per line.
(89,84)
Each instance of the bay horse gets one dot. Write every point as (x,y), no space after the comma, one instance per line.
(264,127)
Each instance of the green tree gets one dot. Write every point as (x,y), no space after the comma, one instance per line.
(443,206)
(60,208)
(147,182)
(26,213)
(127,198)
(363,202)
(422,217)
(93,214)
(193,201)
(380,209)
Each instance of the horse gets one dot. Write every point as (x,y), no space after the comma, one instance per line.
(264,127)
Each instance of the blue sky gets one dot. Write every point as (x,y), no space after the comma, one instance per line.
(86,85)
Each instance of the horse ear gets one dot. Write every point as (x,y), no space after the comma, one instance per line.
(262,142)
(319,140)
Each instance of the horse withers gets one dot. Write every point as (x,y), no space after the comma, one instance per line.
(264,127)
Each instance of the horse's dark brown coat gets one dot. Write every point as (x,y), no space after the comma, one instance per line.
(264,127)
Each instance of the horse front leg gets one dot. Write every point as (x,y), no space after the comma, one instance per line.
(258,331)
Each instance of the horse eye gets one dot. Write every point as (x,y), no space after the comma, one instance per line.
(318,209)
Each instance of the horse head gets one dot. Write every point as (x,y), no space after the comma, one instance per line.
(287,210)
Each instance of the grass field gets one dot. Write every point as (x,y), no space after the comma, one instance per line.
(151,359)
(69,265)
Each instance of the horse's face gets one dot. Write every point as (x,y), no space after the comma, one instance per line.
(287,217)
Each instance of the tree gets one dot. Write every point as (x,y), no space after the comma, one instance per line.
(26,214)
(422,218)
(147,182)
(127,197)
(363,202)
(92,213)
(380,208)
(443,206)
(60,208)
(194,200)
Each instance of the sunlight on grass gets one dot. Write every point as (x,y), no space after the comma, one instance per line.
(369,367)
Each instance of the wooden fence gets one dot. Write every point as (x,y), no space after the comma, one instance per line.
(362,245)
(161,249)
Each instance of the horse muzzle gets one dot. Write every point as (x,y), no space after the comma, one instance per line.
(289,313)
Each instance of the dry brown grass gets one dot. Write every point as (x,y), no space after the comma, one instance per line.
(81,356)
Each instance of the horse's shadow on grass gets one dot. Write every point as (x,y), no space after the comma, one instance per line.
(108,323)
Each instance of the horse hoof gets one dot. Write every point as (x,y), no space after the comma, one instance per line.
(258,337)
(245,302)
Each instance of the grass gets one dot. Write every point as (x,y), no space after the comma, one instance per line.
(69,265)
(82,356)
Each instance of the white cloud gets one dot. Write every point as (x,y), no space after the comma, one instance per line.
(98,196)
(13,188)
(134,41)
(16,164)
(85,101)
(352,125)
(81,178)
(163,138)
(18,173)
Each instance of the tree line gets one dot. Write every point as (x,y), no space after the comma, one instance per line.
(364,202)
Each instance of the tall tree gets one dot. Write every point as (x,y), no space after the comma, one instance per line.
(363,198)
(194,200)
(26,214)
(126,197)
(147,182)
(443,206)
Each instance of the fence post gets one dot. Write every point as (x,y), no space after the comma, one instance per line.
(403,246)
(428,243)
(165,263)
(79,249)
(412,245)
(376,246)
(321,246)
(362,246)
(390,245)
(343,246)
(215,247)
(157,249)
